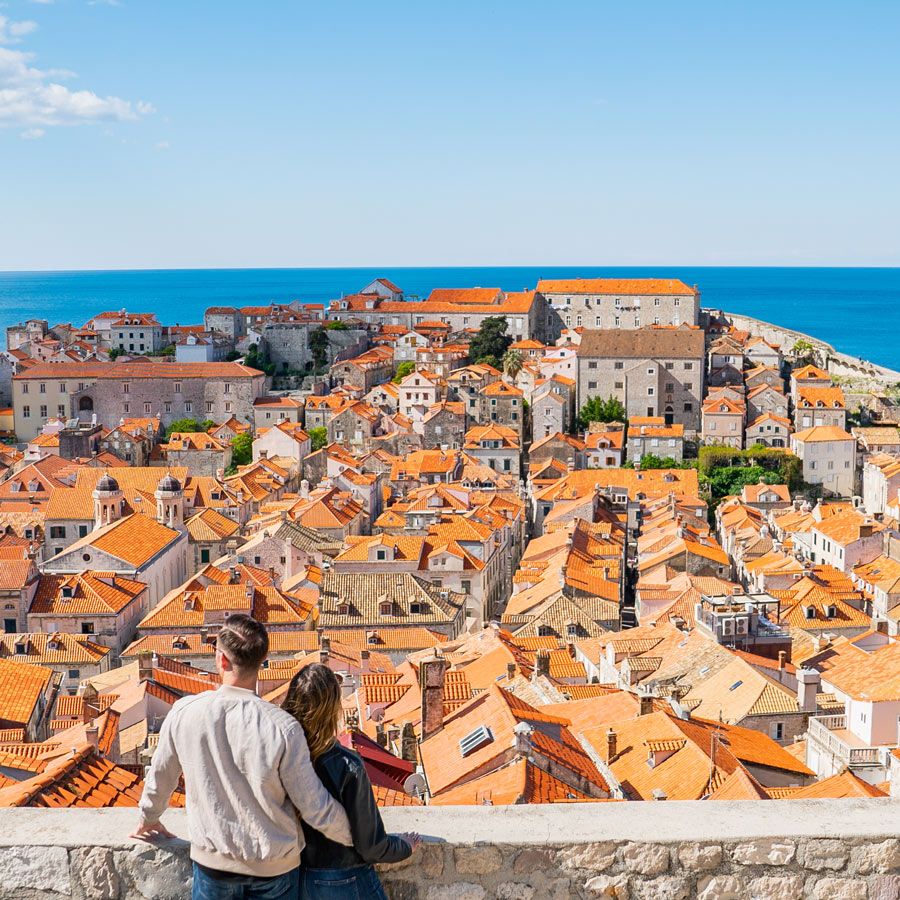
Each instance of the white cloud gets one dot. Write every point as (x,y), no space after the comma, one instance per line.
(163,145)
(13,32)
(42,2)
(35,97)
(32,134)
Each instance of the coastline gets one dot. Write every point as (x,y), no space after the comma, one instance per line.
(843,365)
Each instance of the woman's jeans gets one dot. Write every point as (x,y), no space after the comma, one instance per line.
(228,886)
(356,883)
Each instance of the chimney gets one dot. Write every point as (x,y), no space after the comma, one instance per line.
(782,656)
(92,734)
(145,666)
(610,745)
(272,573)
(232,574)
(324,643)
(380,735)
(431,682)
(808,683)
(510,670)
(263,454)
(645,704)
(542,663)
(522,740)
(364,660)
(408,746)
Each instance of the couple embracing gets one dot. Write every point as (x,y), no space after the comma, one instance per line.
(276,807)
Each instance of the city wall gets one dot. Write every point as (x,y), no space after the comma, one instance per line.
(783,850)
(835,362)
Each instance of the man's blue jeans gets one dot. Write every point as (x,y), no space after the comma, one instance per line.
(245,887)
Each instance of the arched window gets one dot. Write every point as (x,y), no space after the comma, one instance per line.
(85,404)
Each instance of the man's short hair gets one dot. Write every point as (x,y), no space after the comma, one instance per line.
(244,641)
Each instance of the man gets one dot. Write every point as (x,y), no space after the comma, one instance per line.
(247,773)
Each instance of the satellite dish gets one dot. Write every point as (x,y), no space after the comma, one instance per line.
(415,785)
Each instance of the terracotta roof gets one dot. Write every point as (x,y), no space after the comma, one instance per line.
(82,779)
(210,525)
(823,433)
(873,677)
(843,784)
(21,687)
(134,539)
(118,371)
(642,287)
(820,397)
(642,343)
(52,649)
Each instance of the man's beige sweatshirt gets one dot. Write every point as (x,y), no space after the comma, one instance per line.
(247,773)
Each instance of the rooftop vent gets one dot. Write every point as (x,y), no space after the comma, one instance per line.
(475,739)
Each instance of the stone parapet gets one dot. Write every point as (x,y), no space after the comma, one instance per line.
(783,850)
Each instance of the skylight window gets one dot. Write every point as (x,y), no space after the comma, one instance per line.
(735,686)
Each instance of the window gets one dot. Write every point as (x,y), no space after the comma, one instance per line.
(677,302)
(209,406)
(126,407)
(147,408)
(60,410)
(656,302)
(656,320)
(651,391)
(126,387)
(177,387)
(688,407)
(669,387)
(43,412)
(204,555)
(82,531)
(58,531)
(620,385)
(688,366)
(25,388)
(617,321)
(598,322)
(168,407)
(619,365)
(380,554)
(74,674)
(592,385)
(592,364)
(87,627)
(227,388)
(637,321)
(228,406)
(42,388)
(26,412)
(188,406)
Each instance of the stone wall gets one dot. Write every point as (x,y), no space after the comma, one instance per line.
(836,363)
(782,850)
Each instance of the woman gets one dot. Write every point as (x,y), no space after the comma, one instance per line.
(328,870)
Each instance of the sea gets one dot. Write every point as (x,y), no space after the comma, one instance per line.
(857,310)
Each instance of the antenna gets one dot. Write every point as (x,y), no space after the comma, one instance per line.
(415,785)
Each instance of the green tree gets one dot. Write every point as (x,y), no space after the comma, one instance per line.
(599,410)
(232,355)
(318,346)
(318,437)
(242,449)
(512,364)
(803,351)
(181,426)
(207,424)
(256,360)
(491,341)
(336,325)
(115,352)
(403,369)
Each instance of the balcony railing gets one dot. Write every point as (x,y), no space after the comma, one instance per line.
(822,730)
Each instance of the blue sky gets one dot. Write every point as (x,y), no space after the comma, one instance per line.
(179,133)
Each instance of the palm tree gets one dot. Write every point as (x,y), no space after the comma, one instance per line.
(512,364)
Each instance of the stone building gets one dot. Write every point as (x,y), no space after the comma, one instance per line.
(828,455)
(225,319)
(653,371)
(651,436)
(723,422)
(115,390)
(200,453)
(602,303)
(463,309)
(444,425)
(820,406)
(502,403)
(136,333)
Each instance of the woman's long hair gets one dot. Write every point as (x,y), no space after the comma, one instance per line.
(314,700)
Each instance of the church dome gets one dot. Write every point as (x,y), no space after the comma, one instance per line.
(107,483)
(169,483)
